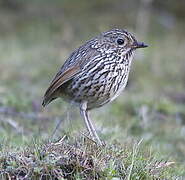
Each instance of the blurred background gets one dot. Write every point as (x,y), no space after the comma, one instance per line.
(37,36)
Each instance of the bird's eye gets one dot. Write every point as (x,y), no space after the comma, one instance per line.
(120,41)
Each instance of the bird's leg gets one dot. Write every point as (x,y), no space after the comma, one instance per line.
(85,113)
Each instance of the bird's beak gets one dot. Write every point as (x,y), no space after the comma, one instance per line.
(137,44)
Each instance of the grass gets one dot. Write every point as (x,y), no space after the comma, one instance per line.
(82,159)
(143,129)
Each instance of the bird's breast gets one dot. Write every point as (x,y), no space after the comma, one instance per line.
(100,82)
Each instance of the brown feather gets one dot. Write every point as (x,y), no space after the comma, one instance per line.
(70,68)
(59,81)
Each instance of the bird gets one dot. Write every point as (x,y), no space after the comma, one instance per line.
(95,73)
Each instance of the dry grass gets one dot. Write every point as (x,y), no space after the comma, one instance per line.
(82,159)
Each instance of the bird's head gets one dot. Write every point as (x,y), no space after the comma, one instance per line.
(118,40)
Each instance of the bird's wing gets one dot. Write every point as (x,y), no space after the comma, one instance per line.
(58,81)
(70,68)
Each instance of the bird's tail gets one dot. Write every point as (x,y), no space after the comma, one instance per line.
(46,101)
